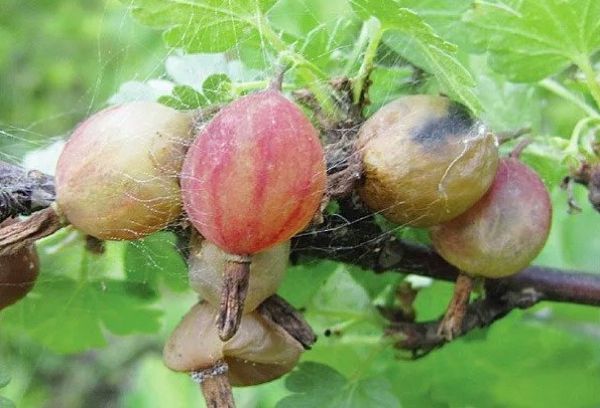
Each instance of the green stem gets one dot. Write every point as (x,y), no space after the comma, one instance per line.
(590,76)
(241,87)
(307,71)
(361,43)
(558,89)
(375,33)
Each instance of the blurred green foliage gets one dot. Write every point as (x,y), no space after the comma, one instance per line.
(61,60)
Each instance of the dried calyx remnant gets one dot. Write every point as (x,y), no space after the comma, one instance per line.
(589,176)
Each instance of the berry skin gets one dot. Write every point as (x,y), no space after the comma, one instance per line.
(260,351)
(207,262)
(117,175)
(18,273)
(255,175)
(425,160)
(504,231)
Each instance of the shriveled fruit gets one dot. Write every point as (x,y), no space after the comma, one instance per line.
(255,175)
(260,351)
(207,262)
(503,232)
(425,160)
(18,273)
(117,175)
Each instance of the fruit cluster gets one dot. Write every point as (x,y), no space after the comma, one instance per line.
(254,176)
(427,163)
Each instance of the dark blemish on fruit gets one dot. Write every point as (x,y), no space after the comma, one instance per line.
(434,132)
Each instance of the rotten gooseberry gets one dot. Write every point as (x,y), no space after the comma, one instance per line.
(425,160)
(259,352)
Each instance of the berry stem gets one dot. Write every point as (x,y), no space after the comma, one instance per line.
(375,32)
(590,76)
(558,89)
(516,152)
(451,324)
(215,385)
(236,277)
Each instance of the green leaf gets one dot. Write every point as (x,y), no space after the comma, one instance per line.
(374,283)
(573,237)
(152,259)
(387,84)
(302,282)
(409,35)
(172,102)
(6,403)
(4,376)
(190,97)
(315,384)
(531,40)
(217,88)
(324,32)
(69,316)
(443,16)
(507,106)
(202,25)
(342,296)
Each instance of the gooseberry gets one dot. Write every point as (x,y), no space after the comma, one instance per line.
(117,177)
(255,174)
(504,231)
(260,351)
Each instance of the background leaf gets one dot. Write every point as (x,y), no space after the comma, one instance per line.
(319,385)
(530,40)
(410,36)
(202,26)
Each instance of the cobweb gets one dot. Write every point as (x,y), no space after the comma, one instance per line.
(28,145)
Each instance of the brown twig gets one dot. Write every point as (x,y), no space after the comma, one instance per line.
(422,338)
(588,175)
(215,386)
(352,237)
(25,233)
(22,192)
